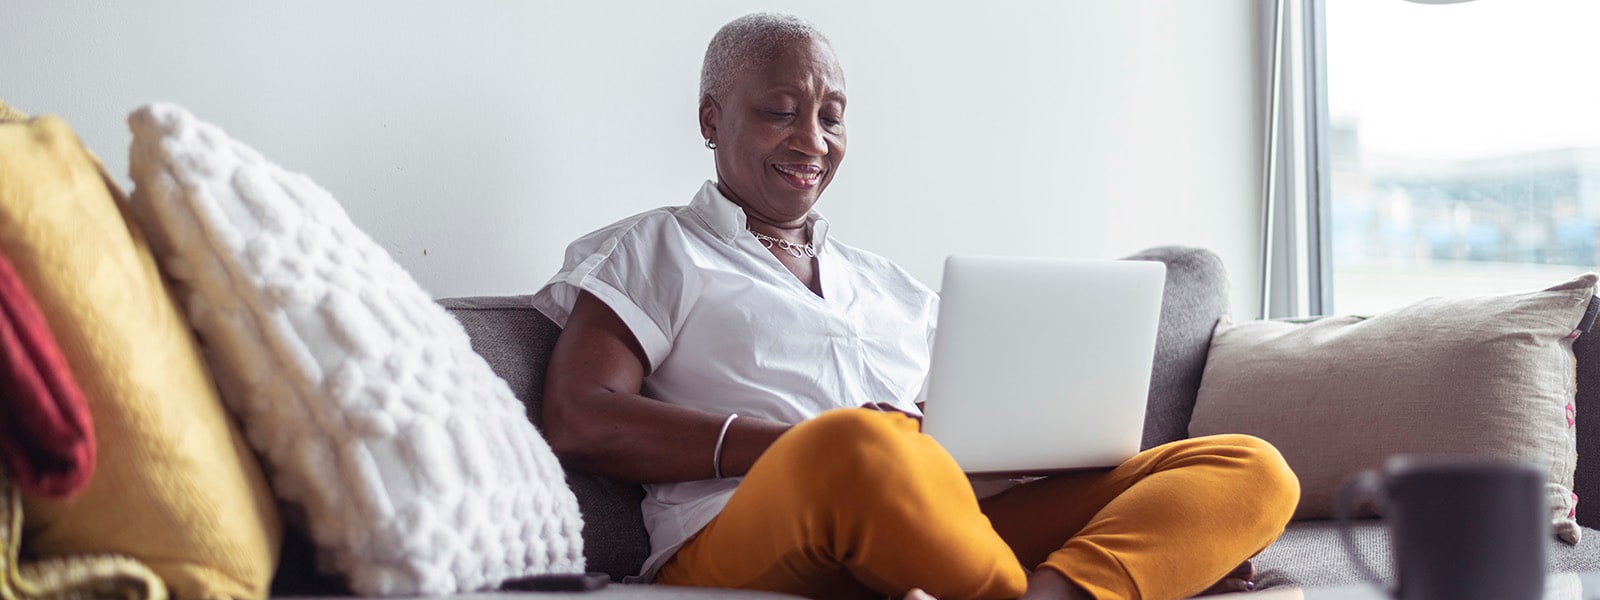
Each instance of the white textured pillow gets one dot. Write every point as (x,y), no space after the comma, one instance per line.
(417,470)
(1486,376)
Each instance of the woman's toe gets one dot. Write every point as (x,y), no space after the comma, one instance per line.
(1241,579)
(1229,585)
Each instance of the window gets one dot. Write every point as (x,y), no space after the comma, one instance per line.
(1460,145)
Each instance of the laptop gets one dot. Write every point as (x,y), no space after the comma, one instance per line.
(1042,364)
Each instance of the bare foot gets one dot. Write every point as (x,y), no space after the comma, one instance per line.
(1241,579)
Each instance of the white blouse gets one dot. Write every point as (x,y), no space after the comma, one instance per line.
(727,328)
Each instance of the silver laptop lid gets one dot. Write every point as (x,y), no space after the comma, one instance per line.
(1042,364)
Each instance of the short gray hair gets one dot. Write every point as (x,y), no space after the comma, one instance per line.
(756,36)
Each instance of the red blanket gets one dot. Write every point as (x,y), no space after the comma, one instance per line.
(45,434)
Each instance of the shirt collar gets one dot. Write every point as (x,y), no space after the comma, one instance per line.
(727,220)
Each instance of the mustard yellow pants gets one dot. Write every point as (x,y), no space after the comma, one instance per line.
(859,504)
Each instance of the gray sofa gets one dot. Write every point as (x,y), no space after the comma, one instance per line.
(516,339)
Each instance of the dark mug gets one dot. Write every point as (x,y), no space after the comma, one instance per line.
(1461,529)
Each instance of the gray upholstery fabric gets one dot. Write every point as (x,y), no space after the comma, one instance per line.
(517,339)
(1196,296)
(1310,555)
(1587,484)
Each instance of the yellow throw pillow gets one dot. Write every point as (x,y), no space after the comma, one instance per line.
(175,487)
(10,114)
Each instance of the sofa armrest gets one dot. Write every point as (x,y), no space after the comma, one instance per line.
(1586,483)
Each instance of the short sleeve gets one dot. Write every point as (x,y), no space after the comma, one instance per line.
(637,267)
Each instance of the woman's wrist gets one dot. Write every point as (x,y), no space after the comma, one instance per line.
(746,440)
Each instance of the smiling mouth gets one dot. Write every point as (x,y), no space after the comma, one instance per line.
(800,176)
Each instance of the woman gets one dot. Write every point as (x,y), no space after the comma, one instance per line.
(762,381)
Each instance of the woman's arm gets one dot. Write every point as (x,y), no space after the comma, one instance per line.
(595,419)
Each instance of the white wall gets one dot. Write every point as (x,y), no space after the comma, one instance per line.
(474,139)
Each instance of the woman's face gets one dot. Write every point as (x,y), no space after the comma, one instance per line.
(779,131)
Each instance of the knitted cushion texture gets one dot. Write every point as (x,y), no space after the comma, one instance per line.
(517,341)
(414,465)
(175,485)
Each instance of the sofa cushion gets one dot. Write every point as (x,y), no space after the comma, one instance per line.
(174,484)
(412,462)
(517,339)
(1309,554)
(1196,295)
(1469,376)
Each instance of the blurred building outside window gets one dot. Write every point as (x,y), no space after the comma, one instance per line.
(1464,147)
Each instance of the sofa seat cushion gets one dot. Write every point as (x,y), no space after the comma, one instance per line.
(1309,554)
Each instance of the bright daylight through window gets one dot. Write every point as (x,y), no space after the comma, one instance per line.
(1464,143)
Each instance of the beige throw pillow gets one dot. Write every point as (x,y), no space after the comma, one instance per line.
(1489,376)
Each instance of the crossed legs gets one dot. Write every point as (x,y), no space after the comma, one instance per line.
(858,503)
(1167,523)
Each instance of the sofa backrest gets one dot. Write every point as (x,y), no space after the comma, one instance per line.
(1196,296)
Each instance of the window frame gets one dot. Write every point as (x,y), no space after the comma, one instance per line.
(1297,209)
(1319,199)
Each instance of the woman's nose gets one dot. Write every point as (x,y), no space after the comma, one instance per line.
(808,138)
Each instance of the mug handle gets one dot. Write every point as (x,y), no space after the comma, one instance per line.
(1365,485)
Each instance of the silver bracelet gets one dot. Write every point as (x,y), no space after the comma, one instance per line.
(716,455)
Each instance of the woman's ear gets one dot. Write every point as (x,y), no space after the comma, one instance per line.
(708,117)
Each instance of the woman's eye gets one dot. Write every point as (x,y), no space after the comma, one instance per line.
(781,114)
